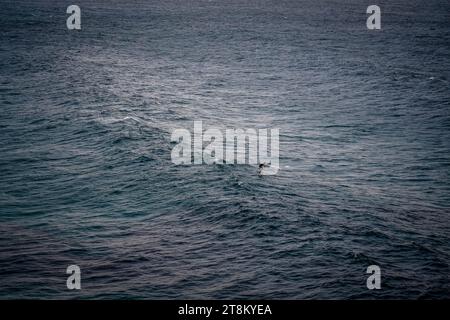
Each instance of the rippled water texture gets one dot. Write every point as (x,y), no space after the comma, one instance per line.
(86,176)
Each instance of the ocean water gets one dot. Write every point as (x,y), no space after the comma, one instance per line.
(86,176)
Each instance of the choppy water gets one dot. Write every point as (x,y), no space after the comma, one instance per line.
(85,170)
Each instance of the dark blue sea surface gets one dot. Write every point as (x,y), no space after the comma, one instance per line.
(86,176)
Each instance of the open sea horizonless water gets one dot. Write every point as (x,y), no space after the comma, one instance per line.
(86,176)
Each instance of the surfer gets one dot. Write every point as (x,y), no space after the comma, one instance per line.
(261,167)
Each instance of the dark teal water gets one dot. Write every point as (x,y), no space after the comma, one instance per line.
(85,170)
